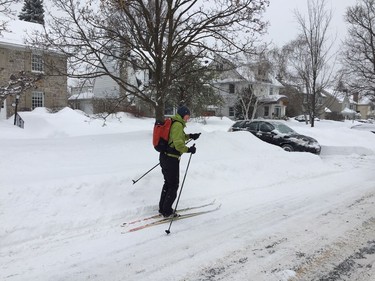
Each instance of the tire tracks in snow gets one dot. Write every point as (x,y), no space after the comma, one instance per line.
(351,256)
(338,245)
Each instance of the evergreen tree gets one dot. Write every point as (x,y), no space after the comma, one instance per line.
(32,11)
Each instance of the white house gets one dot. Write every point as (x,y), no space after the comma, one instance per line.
(103,89)
(233,79)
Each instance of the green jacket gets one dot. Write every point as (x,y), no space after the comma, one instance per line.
(177,136)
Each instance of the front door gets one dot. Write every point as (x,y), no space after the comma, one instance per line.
(277,111)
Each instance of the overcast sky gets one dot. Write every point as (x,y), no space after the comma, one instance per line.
(283,26)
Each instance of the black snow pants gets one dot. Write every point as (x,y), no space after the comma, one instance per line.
(170,167)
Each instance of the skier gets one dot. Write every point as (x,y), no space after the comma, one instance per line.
(170,161)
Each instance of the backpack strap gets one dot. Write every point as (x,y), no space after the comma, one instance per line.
(169,143)
(172,150)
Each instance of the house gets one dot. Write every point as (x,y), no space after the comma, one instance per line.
(365,107)
(341,103)
(81,98)
(299,100)
(16,56)
(105,95)
(330,103)
(229,83)
(234,80)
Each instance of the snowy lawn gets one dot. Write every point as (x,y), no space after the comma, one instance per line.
(66,187)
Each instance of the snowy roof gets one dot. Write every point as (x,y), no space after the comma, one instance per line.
(364,100)
(205,61)
(339,95)
(248,74)
(347,111)
(272,98)
(18,32)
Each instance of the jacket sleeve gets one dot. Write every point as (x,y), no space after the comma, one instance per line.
(178,137)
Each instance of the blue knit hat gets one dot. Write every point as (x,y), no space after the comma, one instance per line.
(183,110)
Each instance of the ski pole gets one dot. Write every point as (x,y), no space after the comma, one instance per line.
(179,195)
(135,181)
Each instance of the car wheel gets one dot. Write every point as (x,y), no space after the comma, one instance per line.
(287,147)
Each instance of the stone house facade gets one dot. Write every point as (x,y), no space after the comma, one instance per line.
(50,91)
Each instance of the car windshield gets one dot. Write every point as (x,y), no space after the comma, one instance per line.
(284,129)
(238,123)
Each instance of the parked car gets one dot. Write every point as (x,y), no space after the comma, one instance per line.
(367,121)
(365,127)
(279,134)
(301,118)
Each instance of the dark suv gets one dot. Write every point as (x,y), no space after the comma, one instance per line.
(279,134)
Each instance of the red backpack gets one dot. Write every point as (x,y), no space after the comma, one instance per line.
(160,137)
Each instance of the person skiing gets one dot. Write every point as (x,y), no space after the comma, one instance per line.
(170,160)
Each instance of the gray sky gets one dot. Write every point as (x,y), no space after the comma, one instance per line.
(283,26)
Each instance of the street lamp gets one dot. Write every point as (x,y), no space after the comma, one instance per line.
(15,109)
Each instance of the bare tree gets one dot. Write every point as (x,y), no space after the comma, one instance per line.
(311,55)
(193,88)
(6,9)
(17,84)
(149,35)
(279,58)
(247,100)
(359,48)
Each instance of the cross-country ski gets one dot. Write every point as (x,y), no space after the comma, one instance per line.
(158,216)
(166,220)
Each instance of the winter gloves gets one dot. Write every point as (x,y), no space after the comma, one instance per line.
(192,149)
(194,136)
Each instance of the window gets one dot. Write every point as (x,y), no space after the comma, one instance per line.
(320,100)
(231,88)
(37,63)
(252,126)
(150,75)
(266,110)
(265,127)
(231,111)
(277,111)
(37,100)
(168,110)
(271,91)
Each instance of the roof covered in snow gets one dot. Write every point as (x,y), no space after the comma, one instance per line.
(18,32)
(272,98)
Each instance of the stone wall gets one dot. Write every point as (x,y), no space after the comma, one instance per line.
(14,59)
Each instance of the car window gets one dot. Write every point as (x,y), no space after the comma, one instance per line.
(238,124)
(284,129)
(252,126)
(266,127)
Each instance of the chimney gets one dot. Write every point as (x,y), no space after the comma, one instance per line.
(356,97)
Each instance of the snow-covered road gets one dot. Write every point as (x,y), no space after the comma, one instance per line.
(65,190)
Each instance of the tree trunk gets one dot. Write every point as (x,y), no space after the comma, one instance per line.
(159,110)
